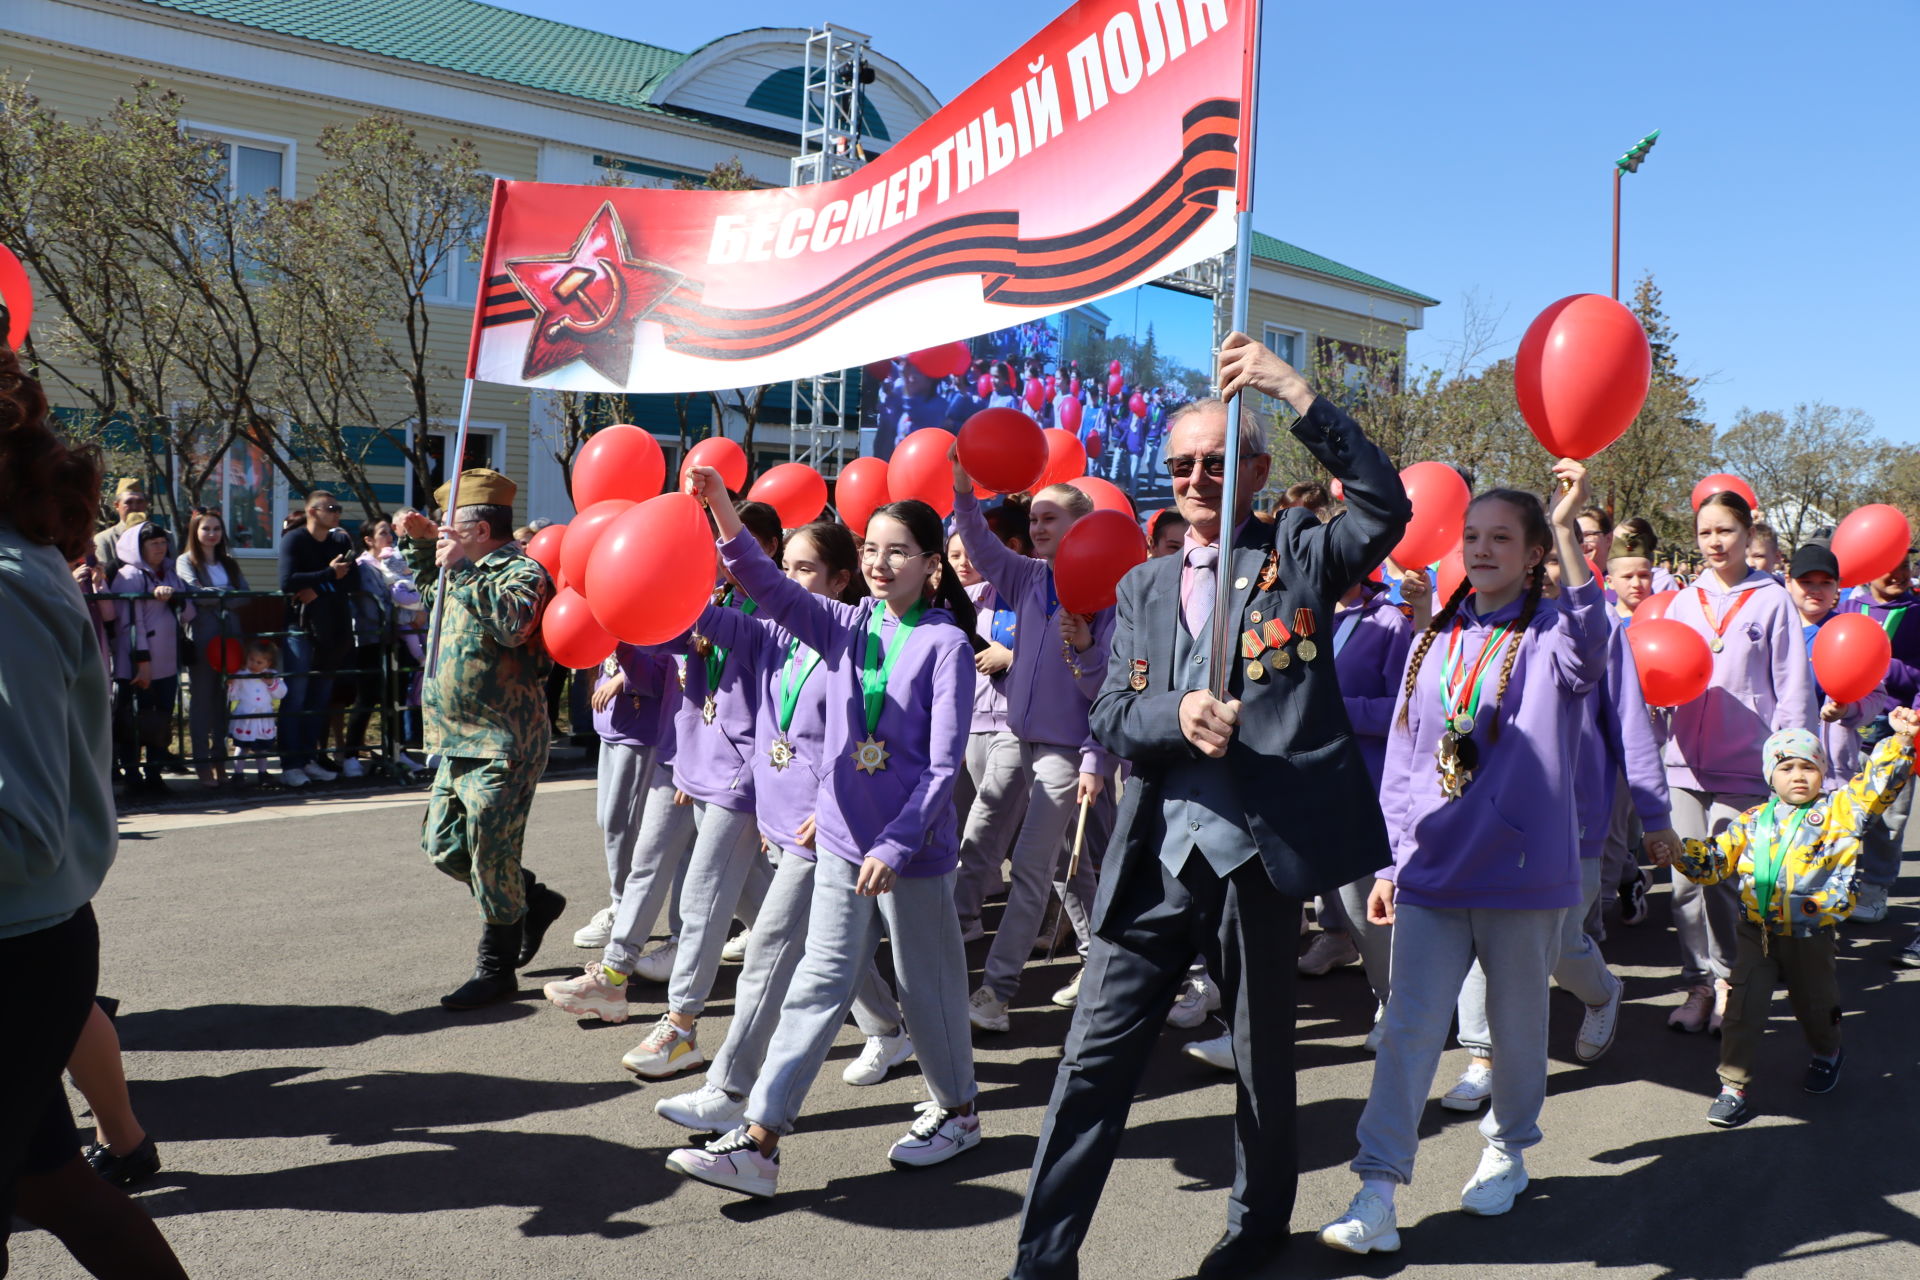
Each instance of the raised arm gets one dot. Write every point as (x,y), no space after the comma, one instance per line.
(1577,642)
(1010,573)
(815,621)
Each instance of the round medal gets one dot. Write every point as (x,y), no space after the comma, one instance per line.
(1280,659)
(1716,644)
(1462,723)
(1255,671)
(1307,650)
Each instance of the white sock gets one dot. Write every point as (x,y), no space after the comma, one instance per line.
(1382,1187)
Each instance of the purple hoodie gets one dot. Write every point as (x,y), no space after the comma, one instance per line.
(1616,737)
(1511,840)
(989,694)
(713,762)
(1046,701)
(1370,644)
(146,630)
(902,814)
(1762,682)
(634,718)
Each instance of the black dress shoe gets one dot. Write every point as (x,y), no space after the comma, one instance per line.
(1234,1255)
(128,1170)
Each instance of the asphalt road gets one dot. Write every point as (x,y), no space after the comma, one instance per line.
(321,1116)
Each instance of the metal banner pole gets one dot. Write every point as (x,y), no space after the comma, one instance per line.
(458,463)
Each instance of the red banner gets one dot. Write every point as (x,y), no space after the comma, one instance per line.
(1104,153)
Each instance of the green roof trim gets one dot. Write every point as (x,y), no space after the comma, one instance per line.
(1292,255)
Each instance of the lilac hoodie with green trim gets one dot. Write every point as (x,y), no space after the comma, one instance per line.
(1762,682)
(1512,839)
(713,763)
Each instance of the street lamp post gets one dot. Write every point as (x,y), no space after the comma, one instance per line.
(1628,163)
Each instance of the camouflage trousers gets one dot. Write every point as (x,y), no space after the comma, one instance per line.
(476,816)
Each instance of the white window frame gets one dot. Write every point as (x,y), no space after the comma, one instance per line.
(289,149)
(1302,356)
(478,266)
(496,431)
(281,497)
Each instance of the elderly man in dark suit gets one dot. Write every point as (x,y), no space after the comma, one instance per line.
(1237,810)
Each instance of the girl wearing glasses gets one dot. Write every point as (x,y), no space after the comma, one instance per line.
(898,689)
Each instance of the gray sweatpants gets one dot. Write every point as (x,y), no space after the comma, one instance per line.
(1704,914)
(1040,849)
(774,949)
(1433,949)
(1880,842)
(1580,970)
(1616,857)
(991,799)
(727,875)
(647,838)
(843,934)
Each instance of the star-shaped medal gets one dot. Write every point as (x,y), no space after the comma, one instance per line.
(590,300)
(871,756)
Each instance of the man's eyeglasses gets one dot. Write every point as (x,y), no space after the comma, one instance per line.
(893,560)
(1181,468)
(331,508)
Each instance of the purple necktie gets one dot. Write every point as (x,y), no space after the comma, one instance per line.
(1196,601)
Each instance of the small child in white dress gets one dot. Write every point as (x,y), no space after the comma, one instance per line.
(253,701)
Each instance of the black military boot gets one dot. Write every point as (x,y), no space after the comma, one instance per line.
(493,977)
(543,907)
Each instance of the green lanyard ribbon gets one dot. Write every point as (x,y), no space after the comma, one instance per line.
(1890,623)
(790,686)
(1769,857)
(874,672)
(1457,695)
(717,656)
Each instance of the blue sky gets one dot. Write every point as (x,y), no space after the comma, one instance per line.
(1465,150)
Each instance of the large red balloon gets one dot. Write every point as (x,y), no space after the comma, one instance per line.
(1066,412)
(1447,578)
(652,572)
(1581,374)
(619,461)
(1003,450)
(943,361)
(576,547)
(1095,554)
(1871,542)
(545,547)
(226,654)
(1440,499)
(862,486)
(572,634)
(920,468)
(1106,495)
(1674,662)
(1850,656)
(723,455)
(1115,384)
(1066,457)
(1721,482)
(793,489)
(16,290)
(1654,606)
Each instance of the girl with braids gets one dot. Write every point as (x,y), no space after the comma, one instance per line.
(1479,796)
(1762,683)
(898,696)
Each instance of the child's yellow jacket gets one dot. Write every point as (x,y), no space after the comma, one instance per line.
(1815,889)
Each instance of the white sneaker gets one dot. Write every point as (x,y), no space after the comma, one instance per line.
(657,965)
(667,1051)
(1217,1052)
(407,762)
(1326,953)
(352,768)
(1198,997)
(1368,1226)
(315,773)
(1068,997)
(294,777)
(1869,904)
(1598,1027)
(595,932)
(736,949)
(1379,1025)
(882,1054)
(937,1136)
(708,1109)
(987,1011)
(1474,1088)
(733,1162)
(590,995)
(1491,1190)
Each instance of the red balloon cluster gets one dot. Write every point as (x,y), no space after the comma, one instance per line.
(1850,656)
(1003,450)
(576,546)
(862,486)
(619,461)
(1654,606)
(920,468)
(1093,556)
(1674,662)
(544,547)
(572,634)
(652,570)
(723,455)
(793,489)
(1439,497)
(1581,374)
(1066,457)
(1870,543)
(1106,495)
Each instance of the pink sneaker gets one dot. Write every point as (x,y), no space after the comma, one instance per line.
(733,1162)
(936,1136)
(1692,1015)
(590,995)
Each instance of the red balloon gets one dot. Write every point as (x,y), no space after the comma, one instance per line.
(572,634)
(1850,656)
(793,489)
(879,370)
(1106,495)
(984,385)
(1003,450)
(921,469)
(1654,606)
(943,361)
(1073,387)
(1036,392)
(1448,577)
(1338,490)
(862,486)
(1674,662)
(1067,411)
(1581,374)
(576,548)
(1094,445)
(1066,457)
(1137,405)
(1053,382)
(619,461)
(1721,482)
(1093,556)
(652,572)
(545,548)
(962,356)
(226,655)
(16,290)
(1871,542)
(1114,367)
(1115,384)
(1440,499)
(723,455)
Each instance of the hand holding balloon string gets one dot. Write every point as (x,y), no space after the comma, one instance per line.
(1574,492)
(705,484)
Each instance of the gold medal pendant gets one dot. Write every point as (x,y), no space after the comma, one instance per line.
(1280,659)
(871,756)
(1716,644)
(1255,671)
(781,752)
(708,710)
(1307,650)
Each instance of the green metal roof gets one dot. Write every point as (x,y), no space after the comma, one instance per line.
(1292,255)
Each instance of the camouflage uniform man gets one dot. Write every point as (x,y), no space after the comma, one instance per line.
(486,718)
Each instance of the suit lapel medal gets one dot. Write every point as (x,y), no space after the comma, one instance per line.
(1138,680)
(1303,625)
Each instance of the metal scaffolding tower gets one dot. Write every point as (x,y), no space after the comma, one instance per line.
(835,74)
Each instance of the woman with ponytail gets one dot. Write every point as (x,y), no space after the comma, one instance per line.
(1479,794)
(898,696)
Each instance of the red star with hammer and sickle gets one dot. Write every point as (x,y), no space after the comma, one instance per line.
(590,299)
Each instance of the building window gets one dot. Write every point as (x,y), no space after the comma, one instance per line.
(457,278)
(253,164)
(483,450)
(1285,343)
